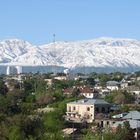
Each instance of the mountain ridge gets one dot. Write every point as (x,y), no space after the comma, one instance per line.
(101,52)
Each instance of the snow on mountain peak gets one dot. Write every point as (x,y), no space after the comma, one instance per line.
(100,52)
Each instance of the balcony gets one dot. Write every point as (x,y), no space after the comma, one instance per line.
(73,119)
(72,112)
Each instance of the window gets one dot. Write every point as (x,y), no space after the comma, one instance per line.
(108,109)
(97,109)
(88,108)
(102,123)
(74,108)
(103,109)
(69,109)
(107,123)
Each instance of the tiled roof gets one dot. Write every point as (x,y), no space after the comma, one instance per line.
(86,90)
(133,124)
(134,115)
(112,83)
(81,89)
(90,102)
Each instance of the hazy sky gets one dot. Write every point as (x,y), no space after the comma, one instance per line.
(37,20)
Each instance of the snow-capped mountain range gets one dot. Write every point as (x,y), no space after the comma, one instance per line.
(101,52)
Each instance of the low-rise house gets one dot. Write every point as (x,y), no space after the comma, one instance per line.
(84,91)
(97,81)
(104,91)
(68,92)
(106,122)
(49,81)
(124,85)
(133,117)
(134,90)
(138,78)
(60,78)
(98,86)
(86,109)
(134,124)
(112,85)
(118,119)
(88,92)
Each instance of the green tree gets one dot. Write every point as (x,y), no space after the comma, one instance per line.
(120,98)
(54,136)
(4,104)
(15,133)
(128,132)
(32,126)
(92,136)
(29,86)
(124,132)
(104,78)
(3,88)
(41,86)
(53,121)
